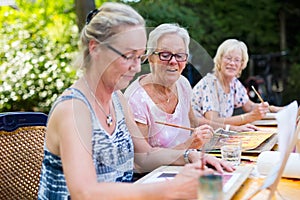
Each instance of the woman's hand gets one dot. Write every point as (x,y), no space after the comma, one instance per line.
(201,135)
(185,183)
(213,161)
(259,111)
(275,109)
(244,128)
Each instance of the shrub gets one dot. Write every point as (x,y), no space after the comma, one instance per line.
(37,46)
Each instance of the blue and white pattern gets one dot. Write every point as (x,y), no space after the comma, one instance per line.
(208,95)
(112,154)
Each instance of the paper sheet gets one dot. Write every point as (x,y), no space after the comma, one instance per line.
(286,129)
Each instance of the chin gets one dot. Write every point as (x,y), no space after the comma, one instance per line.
(122,85)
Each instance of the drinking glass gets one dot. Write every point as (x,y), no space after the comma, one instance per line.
(231,150)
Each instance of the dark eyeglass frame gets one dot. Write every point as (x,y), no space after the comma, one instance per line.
(90,16)
(117,51)
(142,58)
(175,55)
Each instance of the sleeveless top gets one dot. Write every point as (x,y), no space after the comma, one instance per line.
(112,154)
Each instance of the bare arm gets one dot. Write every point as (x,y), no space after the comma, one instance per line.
(253,112)
(74,147)
(147,157)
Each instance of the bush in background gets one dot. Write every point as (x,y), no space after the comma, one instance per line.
(38,43)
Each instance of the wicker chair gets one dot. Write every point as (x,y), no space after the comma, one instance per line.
(21,153)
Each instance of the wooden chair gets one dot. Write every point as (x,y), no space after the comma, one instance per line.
(21,153)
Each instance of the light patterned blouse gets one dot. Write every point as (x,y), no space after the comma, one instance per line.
(208,95)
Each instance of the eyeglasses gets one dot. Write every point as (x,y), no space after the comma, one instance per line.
(230,59)
(167,56)
(131,57)
(90,16)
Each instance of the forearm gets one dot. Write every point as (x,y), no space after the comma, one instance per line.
(157,157)
(218,122)
(125,191)
(237,120)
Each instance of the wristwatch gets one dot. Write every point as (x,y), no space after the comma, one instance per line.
(186,155)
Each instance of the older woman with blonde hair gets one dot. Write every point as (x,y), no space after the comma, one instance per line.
(217,94)
(92,141)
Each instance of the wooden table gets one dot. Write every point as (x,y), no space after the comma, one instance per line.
(287,189)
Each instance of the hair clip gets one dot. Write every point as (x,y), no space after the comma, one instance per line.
(90,16)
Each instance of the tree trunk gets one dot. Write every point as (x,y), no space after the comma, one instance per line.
(82,8)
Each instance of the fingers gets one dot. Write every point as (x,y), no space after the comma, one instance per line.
(250,127)
(206,131)
(261,110)
(197,166)
(218,164)
(204,127)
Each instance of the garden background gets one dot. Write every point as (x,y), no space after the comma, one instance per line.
(38,40)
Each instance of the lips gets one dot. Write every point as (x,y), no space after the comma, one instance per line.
(172,70)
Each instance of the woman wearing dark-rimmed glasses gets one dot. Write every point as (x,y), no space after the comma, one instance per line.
(164,95)
(92,141)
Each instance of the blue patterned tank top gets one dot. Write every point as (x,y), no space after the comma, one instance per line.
(112,154)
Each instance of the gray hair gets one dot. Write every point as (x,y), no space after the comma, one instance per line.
(227,46)
(163,29)
(107,22)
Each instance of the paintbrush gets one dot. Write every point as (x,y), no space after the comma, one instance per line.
(174,125)
(190,129)
(258,95)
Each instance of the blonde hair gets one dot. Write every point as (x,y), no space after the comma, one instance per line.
(227,46)
(106,22)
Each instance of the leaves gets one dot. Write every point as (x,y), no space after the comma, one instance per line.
(35,61)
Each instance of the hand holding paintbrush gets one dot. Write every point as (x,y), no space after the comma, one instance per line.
(199,135)
(204,158)
(258,95)
(271,108)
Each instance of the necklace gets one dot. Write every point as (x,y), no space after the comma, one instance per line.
(168,97)
(109,119)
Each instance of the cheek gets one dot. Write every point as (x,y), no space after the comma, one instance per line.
(182,66)
(222,66)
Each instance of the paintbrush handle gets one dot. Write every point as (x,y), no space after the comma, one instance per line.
(174,125)
(258,95)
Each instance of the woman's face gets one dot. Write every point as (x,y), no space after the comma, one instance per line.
(122,57)
(168,72)
(231,63)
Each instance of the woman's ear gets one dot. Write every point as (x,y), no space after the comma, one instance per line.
(93,46)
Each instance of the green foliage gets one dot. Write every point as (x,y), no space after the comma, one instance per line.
(293,87)
(211,22)
(38,42)
(37,45)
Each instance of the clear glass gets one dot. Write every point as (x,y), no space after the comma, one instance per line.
(231,150)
